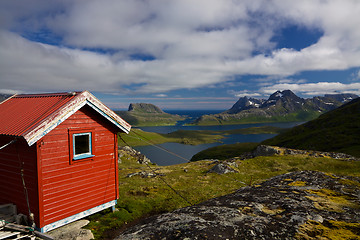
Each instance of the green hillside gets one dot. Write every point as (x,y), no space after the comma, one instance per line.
(334,131)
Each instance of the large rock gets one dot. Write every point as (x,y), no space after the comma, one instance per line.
(299,204)
(222,168)
(264,150)
(128,151)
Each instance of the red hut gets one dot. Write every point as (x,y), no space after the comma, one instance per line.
(58,157)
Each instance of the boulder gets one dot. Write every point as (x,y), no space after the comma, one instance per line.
(264,150)
(221,168)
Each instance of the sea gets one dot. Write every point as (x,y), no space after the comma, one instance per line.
(175,153)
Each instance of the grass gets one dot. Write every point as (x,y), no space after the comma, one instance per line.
(137,137)
(225,151)
(142,197)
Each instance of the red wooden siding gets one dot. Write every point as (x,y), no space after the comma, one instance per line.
(11,186)
(68,189)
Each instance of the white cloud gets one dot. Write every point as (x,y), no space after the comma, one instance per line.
(193,43)
(27,65)
(244,93)
(315,89)
(161,95)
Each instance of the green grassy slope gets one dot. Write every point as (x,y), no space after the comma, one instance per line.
(336,131)
(233,119)
(225,151)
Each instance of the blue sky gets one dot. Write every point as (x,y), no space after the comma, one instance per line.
(180,54)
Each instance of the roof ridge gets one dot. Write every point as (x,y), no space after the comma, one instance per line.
(48,94)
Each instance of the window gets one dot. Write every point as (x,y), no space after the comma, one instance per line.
(81,144)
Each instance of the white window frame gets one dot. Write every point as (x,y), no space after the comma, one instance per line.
(82,155)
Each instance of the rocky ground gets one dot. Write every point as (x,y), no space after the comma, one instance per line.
(72,231)
(302,205)
(265,150)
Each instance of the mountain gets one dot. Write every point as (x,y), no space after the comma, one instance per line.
(146,114)
(341,97)
(144,108)
(281,106)
(337,131)
(245,103)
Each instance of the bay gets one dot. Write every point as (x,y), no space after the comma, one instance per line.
(175,153)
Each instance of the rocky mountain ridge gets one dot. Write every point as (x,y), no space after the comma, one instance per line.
(280,106)
(292,102)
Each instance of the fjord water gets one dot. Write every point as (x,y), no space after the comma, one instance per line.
(163,158)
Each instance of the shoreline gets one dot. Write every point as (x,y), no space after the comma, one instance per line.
(138,137)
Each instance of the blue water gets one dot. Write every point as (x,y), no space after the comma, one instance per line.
(183,153)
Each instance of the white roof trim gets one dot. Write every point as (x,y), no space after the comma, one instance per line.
(84,98)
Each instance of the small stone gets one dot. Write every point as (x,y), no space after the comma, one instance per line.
(318,218)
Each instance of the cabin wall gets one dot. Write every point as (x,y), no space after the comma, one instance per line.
(14,159)
(72,187)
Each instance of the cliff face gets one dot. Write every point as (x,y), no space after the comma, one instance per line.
(297,205)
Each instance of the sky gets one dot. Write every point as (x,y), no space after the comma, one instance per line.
(180,54)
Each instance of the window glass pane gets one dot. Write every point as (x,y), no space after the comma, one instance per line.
(82,144)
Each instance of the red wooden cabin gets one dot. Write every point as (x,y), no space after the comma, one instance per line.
(60,163)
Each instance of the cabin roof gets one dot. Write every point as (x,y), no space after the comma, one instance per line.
(32,116)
